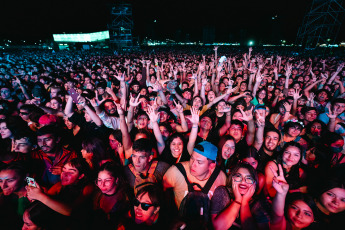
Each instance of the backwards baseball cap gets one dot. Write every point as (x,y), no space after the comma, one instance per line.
(207,149)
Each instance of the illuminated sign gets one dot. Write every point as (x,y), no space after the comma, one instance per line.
(82,37)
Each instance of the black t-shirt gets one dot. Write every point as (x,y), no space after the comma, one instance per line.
(264,158)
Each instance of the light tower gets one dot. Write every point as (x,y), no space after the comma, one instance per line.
(321,24)
(120,29)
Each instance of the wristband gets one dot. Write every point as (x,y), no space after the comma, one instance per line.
(195,126)
(237,202)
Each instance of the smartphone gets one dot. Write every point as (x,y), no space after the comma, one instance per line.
(31,182)
(73,93)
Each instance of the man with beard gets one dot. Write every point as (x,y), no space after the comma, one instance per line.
(50,158)
(107,113)
(271,139)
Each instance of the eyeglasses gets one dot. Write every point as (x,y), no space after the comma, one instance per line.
(239,178)
(106,182)
(24,113)
(144,206)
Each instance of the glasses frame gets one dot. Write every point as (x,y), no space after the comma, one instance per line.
(252,181)
(144,206)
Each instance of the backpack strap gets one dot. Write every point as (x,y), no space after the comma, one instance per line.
(131,167)
(152,168)
(211,180)
(180,167)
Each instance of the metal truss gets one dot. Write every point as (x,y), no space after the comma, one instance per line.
(321,24)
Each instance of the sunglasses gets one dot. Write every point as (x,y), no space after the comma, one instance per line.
(144,206)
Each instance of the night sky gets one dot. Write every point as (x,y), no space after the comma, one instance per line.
(233,20)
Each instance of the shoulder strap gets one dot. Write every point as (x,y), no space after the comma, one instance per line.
(131,167)
(180,167)
(152,168)
(211,180)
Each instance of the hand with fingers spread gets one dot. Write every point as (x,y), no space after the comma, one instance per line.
(248,115)
(119,109)
(204,81)
(311,97)
(260,119)
(153,115)
(195,116)
(296,94)
(279,183)
(331,114)
(120,77)
(225,109)
(134,102)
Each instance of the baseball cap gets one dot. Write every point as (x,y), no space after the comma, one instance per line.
(207,149)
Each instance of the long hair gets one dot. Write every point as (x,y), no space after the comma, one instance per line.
(98,148)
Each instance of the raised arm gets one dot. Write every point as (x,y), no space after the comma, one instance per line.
(126,139)
(259,134)
(154,120)
(340,67)
(194,133)
(95,118)
(184,126)
(248,116)
(69,107)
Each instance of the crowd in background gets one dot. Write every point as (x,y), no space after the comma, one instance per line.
(93,140)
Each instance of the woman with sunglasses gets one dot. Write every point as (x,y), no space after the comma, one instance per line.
(235,206)
(110,202)
(147,211)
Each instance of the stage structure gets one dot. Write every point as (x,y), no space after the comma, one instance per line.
(321,24)
(120,29)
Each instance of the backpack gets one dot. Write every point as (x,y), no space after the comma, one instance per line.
(141,180)
(195,206)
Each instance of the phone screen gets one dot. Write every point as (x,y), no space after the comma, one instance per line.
(73,94)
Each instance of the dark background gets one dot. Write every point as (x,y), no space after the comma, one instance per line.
(233,20)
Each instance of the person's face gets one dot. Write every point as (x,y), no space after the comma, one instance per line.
(187,95)
(221,87)
(143,92)
(301,102)
(236,132)
(163,116)
(291,92)
(199,165)
(164,131)
(144,104)
(197,102)
(68,124)
(114,144)
(100,90)
(135,88)
(90,86)
(322,96)
(221,105)
(237,116)
(54,92)
(300,214)
(106,182)
(139,77)
(243,86)
(206,123)
(310,115)
(333,200)
(86,155)
(228,149)
(54,104)
(176,147)
(338,144)
(248,98)
(271,141)
(28,224)
(211,96)
(110,107)
(22,145)
(251,161)
(47,143)
(208,87)
(5,93)
(141,161)
(291,156)
(144,216)
(316,129)
(5,132)
(294,131)
(70,175)
(10,182)
(244,175)
(339,107)
(262,94)
(142,122)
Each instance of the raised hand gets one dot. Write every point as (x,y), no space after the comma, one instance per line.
(237,194)
(215,48)
(134,102)
(120,77)
(151,112)
(34,193)
(311,97)
(178,107)
(287,106)
(260,120)
(195,116)
(248,115)
(225,109)
(279,183)
(119,109)
(204,81)
(296,94)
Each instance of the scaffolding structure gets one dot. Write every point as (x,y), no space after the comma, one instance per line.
(321,24)
(120,29)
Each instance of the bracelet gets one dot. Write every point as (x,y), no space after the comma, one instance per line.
(195,126)
(237,202)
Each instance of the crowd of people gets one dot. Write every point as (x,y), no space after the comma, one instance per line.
(171,140)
